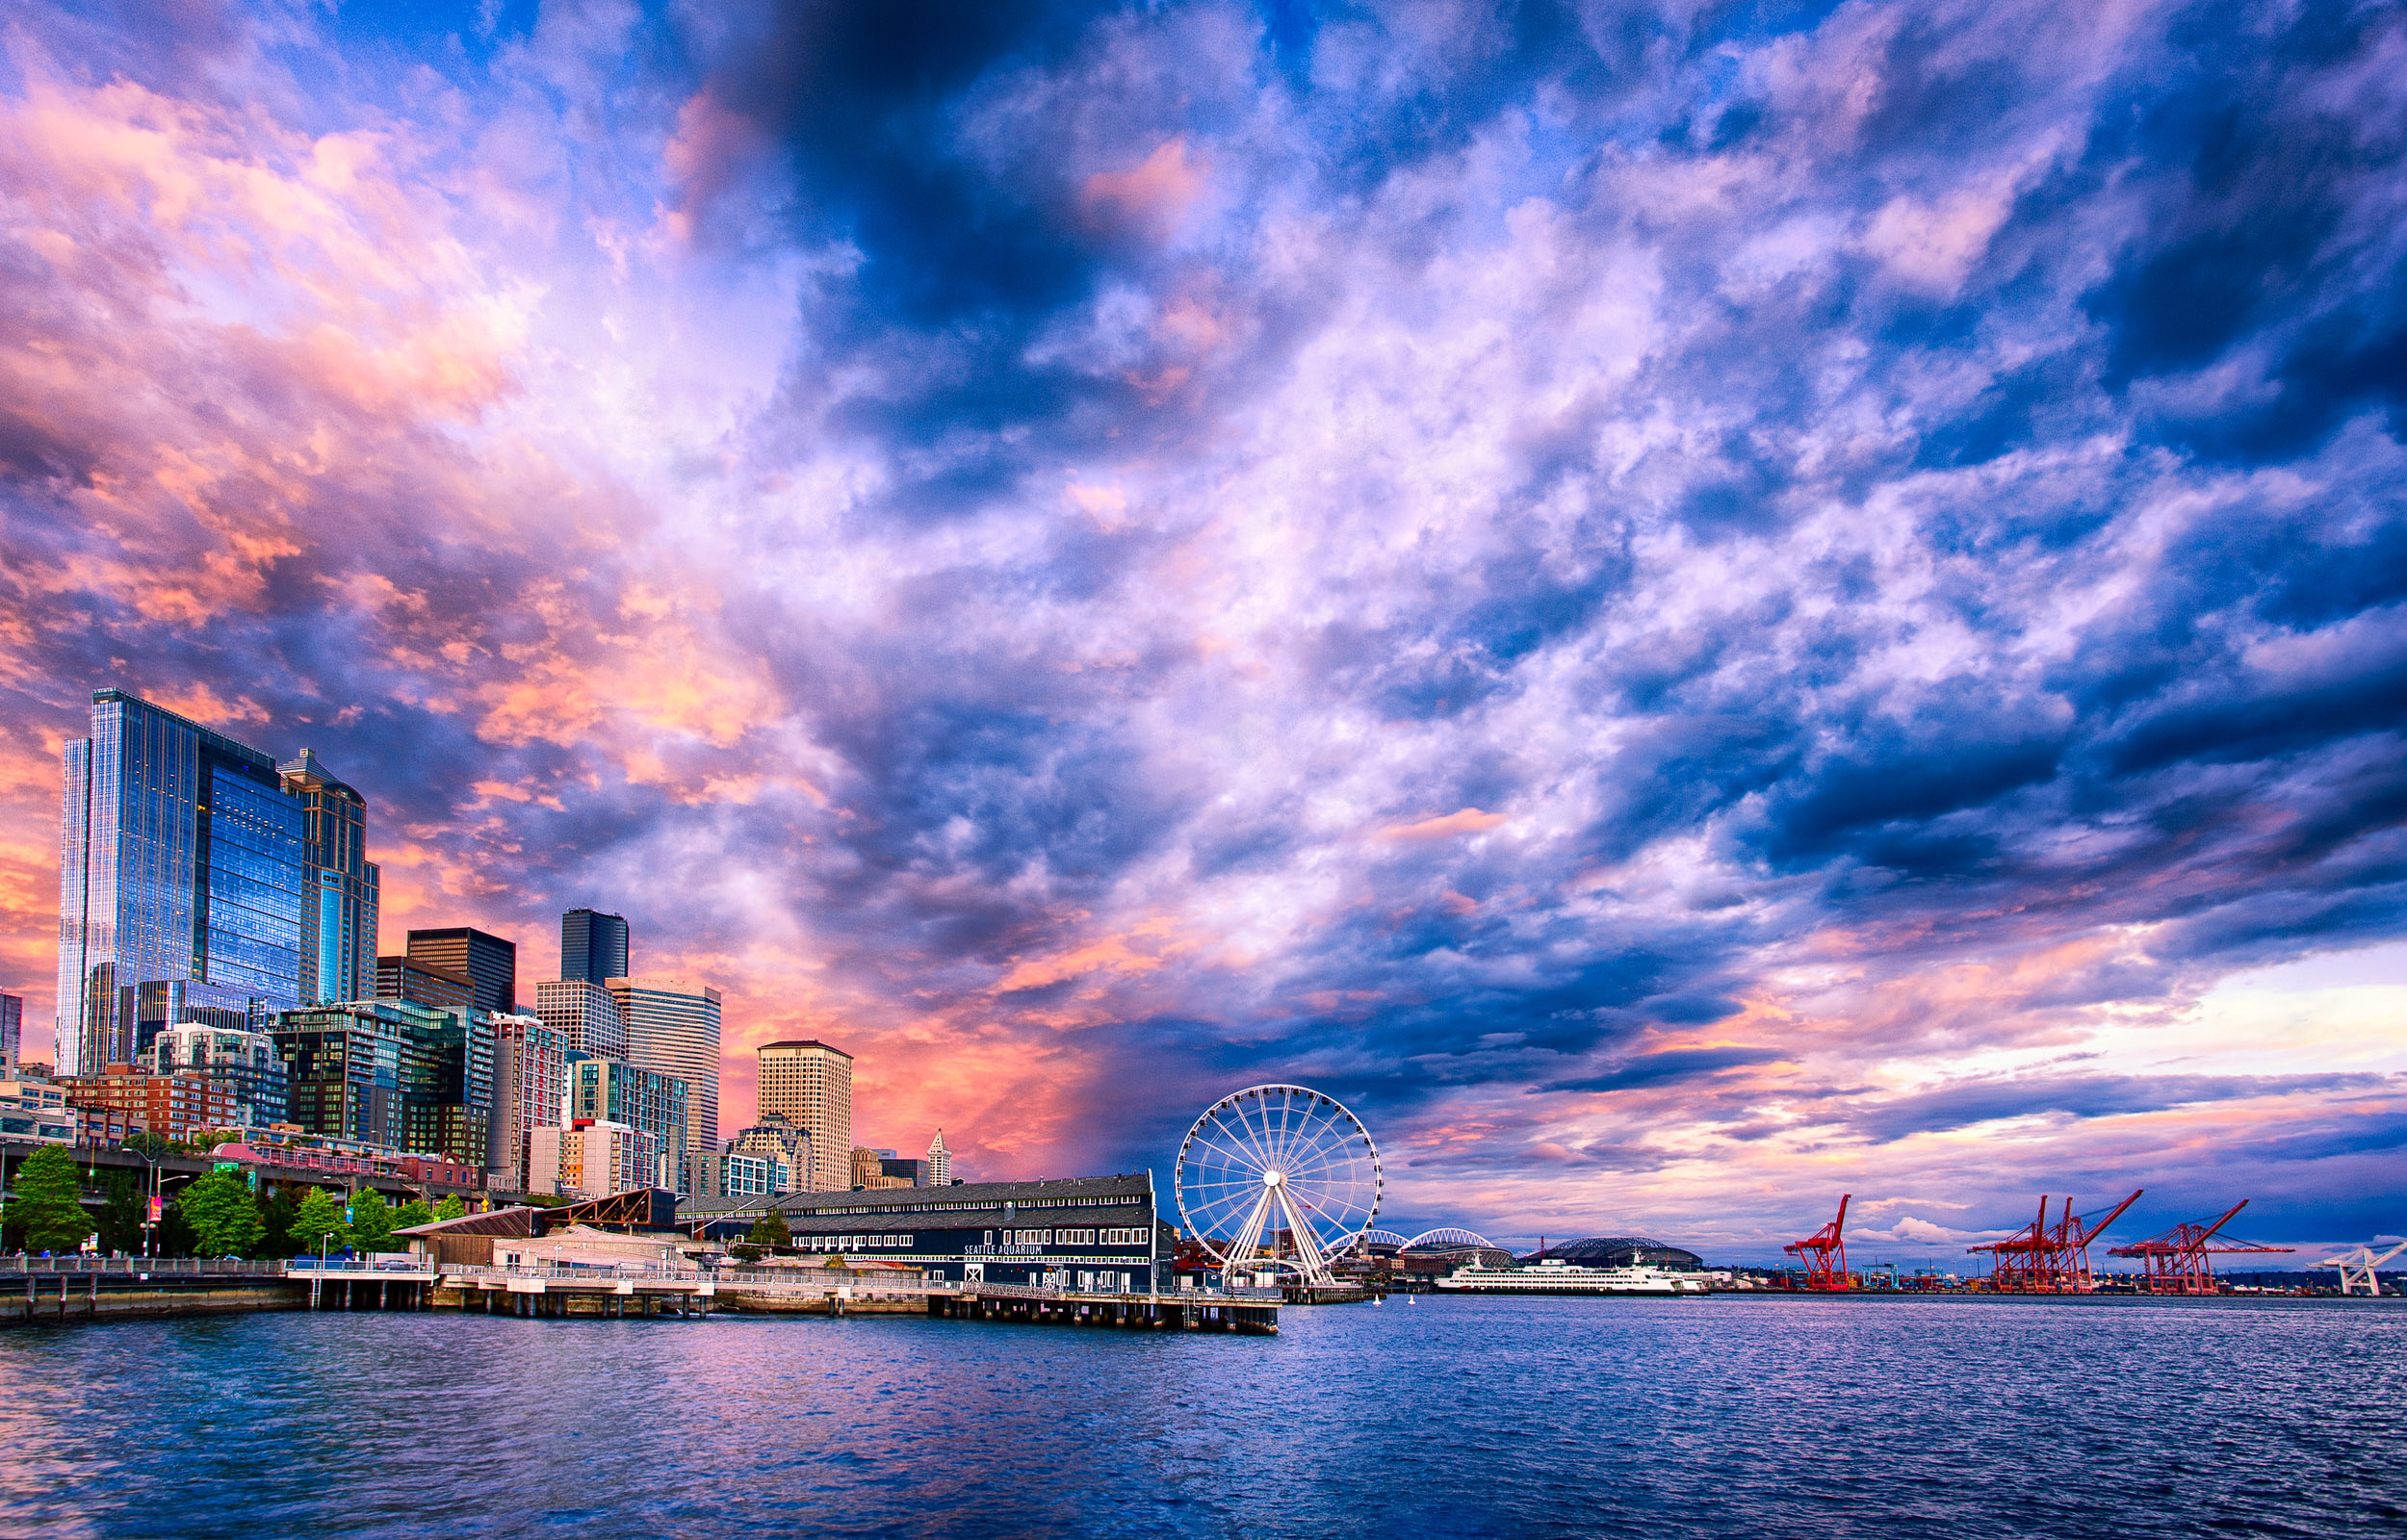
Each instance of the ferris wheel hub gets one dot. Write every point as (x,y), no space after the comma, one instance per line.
(1273,1178)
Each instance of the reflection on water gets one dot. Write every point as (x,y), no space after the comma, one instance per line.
(1450,1418)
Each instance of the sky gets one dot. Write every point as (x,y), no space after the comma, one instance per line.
(1690,607)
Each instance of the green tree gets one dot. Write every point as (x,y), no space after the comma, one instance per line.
(372,1221)
(451,1208)
(276,1238)
(49,1206)
(412,1214)
(122,1215)
(770,1229)
(318,1221)
(223,1214)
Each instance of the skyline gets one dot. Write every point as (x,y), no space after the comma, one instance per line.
(1688,611)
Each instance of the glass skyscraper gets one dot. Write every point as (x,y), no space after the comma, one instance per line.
(490,962)
(673,1027)
(593,945)
(338,940)
(180,858)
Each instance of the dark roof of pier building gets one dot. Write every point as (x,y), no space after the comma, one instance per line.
(1097,1199)
(1617,1250)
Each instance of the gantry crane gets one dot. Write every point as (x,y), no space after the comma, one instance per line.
(2178,1261)
(1824,1252)
(2043,1258)
(2357,1267)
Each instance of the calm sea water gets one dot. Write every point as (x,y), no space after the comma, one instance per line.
(1450,1418)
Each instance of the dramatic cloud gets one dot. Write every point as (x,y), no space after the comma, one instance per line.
(1693,611)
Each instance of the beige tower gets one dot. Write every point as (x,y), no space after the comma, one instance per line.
(810,1085)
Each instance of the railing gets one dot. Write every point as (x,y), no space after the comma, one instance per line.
(153,1267)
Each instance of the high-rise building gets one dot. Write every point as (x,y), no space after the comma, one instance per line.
(338,929)
(530,1091)
(673,1027)
(180,858)
(939,1162)
(809,1084)
(586,1015)
(490,962)
(613,1091)
(12,1033)
(247,1062)
(593,946)
(392,1073)
(405,978)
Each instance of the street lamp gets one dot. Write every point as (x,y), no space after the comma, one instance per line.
(146,1147)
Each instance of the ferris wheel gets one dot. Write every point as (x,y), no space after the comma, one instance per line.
(1279,1178)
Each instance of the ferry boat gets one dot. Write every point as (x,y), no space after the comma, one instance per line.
(1555,1276)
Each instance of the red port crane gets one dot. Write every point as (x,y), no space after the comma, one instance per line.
(2178,1261)
(1824,1252)
(2043,1258)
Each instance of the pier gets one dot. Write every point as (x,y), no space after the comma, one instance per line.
(684,1294)
(67,1288)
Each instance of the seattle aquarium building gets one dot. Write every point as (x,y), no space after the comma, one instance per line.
(1088,1233)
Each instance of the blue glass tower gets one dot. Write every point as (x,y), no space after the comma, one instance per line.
(180,859)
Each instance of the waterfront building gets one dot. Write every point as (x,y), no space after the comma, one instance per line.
(180,858)
(406,978)
(247,1062)
(734,1174)
(939,1162)
(776,1139)
(35,1111)
(590,1158)
(594,946)
(12,1033)
(391,1073)
(673,1026)
(809,1083)
(170,1106)
(613,1091)
(530,1089)
(585,1014)
(1088,1233)
(490,962)
(338,920)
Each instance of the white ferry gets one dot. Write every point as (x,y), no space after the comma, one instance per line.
(1556,1276)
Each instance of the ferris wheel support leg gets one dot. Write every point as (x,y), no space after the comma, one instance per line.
(1250,1234)
(1307,1244)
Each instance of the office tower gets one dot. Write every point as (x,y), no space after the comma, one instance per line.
(673,1027)
(646,1100)
(12,1033)
(530,1089)
(586,1015)
(405,978)
(910,1170)
(338,930)
(180,858)
(593,946)
(490,962)
(392,1073)
(939,1162)
(247,1062)
(809,1084)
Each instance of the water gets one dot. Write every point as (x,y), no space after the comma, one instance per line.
(1448,1418)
